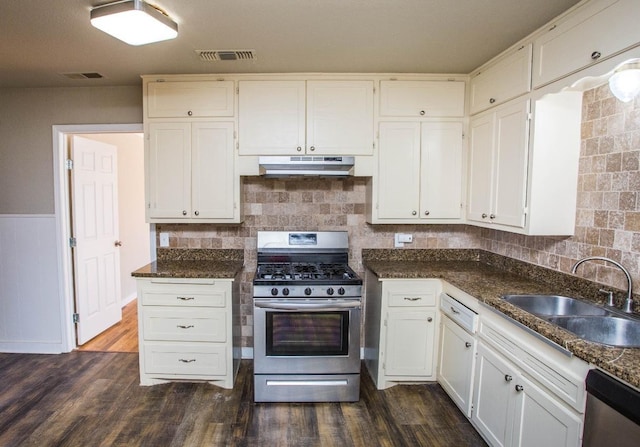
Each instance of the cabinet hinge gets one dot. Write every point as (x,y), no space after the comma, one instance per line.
(237,90)
(463,135)
(68,164)
(529,116)
(385,322)
(76,318)
(72,242)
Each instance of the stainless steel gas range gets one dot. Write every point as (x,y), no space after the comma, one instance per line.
(306,318)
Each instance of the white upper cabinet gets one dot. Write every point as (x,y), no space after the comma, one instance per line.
(306,117)
(596,31)
(185,99)
(422,98)
(509,78)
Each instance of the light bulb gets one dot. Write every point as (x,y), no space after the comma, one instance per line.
(625,84)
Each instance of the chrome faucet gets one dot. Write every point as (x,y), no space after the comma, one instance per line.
(628,303)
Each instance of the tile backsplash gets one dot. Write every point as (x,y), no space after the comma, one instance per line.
(607,220)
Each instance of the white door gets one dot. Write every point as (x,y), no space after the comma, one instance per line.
(94,198)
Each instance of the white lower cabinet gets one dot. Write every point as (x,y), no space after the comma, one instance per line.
(188,329)
(400,331)
(511,410)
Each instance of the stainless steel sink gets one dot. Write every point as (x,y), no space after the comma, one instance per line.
(614,331)
(550,305)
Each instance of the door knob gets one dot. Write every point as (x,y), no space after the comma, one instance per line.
(118,244)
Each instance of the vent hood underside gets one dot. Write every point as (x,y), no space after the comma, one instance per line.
(323,166)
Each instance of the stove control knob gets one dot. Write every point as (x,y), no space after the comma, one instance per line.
(307,291)
(330,291)
(341,291)
(274,291)
(285,291)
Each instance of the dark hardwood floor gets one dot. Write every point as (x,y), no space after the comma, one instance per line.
(93,399)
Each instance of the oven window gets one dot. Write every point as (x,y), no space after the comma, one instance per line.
(307,333)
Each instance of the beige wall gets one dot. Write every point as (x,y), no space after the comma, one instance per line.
(26,120)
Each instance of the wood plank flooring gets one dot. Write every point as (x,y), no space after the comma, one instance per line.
(121,337)
(94,399)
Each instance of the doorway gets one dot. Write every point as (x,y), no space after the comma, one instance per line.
(135,235)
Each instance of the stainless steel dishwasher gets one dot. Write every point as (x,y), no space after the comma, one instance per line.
(612,416)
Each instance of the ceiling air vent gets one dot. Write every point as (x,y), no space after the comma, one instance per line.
(226,55)
(83,75)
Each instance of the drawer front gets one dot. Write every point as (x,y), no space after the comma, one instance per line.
(184,324)
(185,297)
(190,99)
(182,359)
(412,293)
(459,313)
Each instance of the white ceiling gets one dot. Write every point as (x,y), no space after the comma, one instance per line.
(40,39)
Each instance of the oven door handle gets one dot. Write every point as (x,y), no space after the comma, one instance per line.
(308,306)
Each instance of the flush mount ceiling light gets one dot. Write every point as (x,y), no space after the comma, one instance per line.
(134,22)
(625,82)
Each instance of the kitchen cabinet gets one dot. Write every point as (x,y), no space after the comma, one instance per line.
(400,333)
(511,410)
(191,172)
(422,99)
(187,330)
(501,81)
(306,117)
(419,177)
(498,156)
(594,32)
(190,99)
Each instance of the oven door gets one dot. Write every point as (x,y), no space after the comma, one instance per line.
(300,336)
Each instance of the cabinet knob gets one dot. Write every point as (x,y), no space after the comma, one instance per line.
(492,100)
(429,319)
(519,388)
(184,213)
(426,213)
(596,55)
(484,215)
(118,243)
(492,216)
(422,112)
(312,148)
(190,113)
(413,213)
(299,149)
(507,378)
(197,213)
(467,345)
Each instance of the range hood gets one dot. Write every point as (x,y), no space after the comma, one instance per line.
(306,165)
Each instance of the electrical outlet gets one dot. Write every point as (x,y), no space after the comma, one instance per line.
(164,239)
(400,239)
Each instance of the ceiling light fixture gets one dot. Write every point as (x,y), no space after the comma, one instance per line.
(625,82)
(134,22)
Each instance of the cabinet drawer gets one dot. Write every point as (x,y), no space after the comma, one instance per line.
(190,99)
(185,324)
(459,313)
(411,293)
(185,359)
(186,297)
(422,98)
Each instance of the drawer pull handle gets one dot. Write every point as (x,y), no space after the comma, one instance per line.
(467,344)
(416,298)
(454,310)
(183,326)
(508,378)
(187,360)
(186,298)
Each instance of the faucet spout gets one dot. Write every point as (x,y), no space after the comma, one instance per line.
(628,303)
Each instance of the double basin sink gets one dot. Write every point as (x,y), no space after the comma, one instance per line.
(588,321)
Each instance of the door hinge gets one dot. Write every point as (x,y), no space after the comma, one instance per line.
(76,318)
(72,242)
(68,164)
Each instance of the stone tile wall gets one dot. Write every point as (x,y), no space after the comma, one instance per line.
(608,215)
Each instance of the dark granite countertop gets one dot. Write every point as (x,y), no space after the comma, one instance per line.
(193,263)
(487,276)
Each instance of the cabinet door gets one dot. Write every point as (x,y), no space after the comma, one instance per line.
(596,31)
(441,171)
(169,182)
(340,117)
(422,98)
(410,342)
(510,173)
(480,167)
(190,99)
(212,167)
(398,180)
(494,399)
(507,79)
(271,117)
(543,421)
(456,365)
